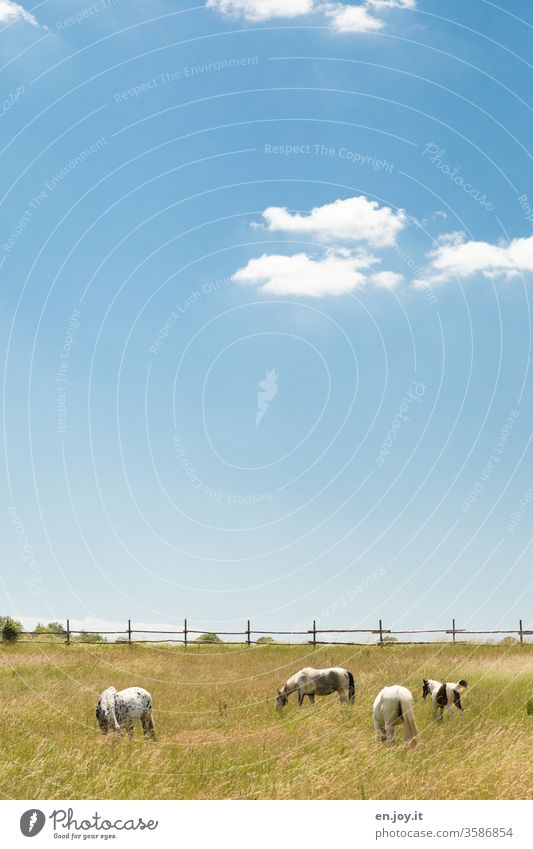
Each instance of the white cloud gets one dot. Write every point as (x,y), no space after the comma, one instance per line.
(457,257)
(344,17)
(351,18)
(391,4)
(386,279)
(300,274)
(262,10)
(354,219)
(11,11)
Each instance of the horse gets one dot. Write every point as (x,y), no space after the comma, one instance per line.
(444,695)
(392,706)
(318,682)
(116,710)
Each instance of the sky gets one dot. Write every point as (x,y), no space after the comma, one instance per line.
(265,321)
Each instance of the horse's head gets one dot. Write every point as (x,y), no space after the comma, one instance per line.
(101,718)
(281,700)
(425,689)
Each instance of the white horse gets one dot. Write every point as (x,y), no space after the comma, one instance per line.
(392,706)
(444,696)
(116,710)
(318,682)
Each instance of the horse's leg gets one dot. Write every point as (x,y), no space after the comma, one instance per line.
(300,698)
(450,709)
(312,698)
(130,732)
(379,730)
(389,732)
(458,705)
(148,725)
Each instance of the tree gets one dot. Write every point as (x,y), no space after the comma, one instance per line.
(52,627)
(509,641)
(208,637)
(265,641)
(4,619)
(390,639)
(10,629)
(85,637)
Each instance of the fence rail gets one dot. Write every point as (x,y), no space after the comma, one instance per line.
(384,635)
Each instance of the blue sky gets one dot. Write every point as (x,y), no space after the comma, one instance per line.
(266,330)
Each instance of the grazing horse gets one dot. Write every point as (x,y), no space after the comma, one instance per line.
(444,695)
(116,710)
(318,682)
(392,706)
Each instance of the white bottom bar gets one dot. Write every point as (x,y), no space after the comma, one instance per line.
(269,825)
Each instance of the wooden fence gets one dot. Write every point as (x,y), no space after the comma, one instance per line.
(315,636)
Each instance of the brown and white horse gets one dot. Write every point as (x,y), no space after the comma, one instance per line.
(444,696)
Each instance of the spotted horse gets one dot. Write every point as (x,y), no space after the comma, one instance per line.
(122,709)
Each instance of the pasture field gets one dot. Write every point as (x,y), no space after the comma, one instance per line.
(219,735)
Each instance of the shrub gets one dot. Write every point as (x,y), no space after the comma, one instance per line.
(85,637)
(509,641)
(10,629)
(51,628)
(208,638)
(263,641)
(4,619)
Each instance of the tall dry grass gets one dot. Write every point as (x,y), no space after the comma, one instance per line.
(219,735)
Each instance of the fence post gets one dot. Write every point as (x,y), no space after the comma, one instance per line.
(68,631)
(521,634)
(248,637)
(380,632)
(314,633)
(129,631)
(453,630)
(185,633)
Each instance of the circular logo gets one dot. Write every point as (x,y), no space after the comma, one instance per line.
(32,822)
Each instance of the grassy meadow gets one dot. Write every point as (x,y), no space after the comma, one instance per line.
(219,735)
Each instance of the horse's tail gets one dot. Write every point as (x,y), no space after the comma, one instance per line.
(462,683)
(351,687)
(409,724)
(111,710)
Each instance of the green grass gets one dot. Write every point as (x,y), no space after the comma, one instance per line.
(219,735)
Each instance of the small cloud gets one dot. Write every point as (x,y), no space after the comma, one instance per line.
(261,10)
(11,12)
(386,279)
(391,4)
(457,257)
(352,219)
(352,17)
(455,237)
(300,274)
